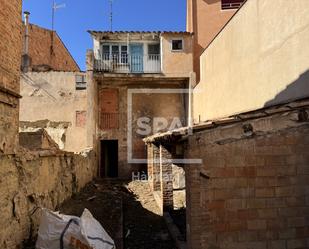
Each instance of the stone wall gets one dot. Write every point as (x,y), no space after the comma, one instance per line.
(32,180)
(251,191)
(10,56)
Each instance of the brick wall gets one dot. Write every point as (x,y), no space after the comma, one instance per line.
(58,59)
(252,190)
(10,56)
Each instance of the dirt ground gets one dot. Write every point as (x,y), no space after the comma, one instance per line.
(126,210)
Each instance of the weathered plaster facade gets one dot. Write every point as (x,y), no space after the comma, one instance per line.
(10,47)
(152,97)
(259,59)
(52,101)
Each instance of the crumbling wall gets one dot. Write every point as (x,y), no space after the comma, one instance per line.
(252,189)
(33,180)
(54,97)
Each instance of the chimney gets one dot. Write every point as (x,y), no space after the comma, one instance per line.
(26,60)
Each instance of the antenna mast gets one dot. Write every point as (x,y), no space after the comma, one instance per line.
(111,14)
(54,8)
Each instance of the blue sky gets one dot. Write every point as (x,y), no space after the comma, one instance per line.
(78,16)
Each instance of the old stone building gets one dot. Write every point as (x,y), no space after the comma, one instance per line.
(246,156)
(10,47)
(134,78)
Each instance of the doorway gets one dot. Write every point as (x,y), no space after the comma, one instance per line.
(137,58)
(109,158)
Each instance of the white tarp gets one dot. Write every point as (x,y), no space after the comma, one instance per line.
(59,231)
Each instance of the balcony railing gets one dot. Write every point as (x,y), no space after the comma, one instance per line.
(125,63)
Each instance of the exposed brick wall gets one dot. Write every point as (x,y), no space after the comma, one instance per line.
(41,54)
(166,179)
(251,191)
(10,57)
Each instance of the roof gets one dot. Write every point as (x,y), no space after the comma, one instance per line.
(59,59)
(180,133)
(94,32)
(100,33)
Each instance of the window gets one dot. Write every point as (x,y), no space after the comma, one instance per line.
(106,52)
(80,82)
(115,53)
(124,54)
(154,51)
(231,4)
(177,45)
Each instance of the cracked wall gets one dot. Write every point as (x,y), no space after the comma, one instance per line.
(31,180)
(51,101)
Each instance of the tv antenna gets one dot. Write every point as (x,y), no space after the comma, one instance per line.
(111,14)
(54,8)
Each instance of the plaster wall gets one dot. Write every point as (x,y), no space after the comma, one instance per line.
(259,59)
(52,96)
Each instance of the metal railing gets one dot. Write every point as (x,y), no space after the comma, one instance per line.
(109,121)
(125,63)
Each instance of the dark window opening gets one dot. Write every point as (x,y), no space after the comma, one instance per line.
(80,82)
(177,45)
(154,51)
(124,54)
(231,4)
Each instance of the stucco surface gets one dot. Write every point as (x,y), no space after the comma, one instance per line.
(259,59)
(52,96)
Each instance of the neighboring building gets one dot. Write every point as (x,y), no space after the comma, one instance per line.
(246,157)
(54,90)
(250,63)
(138,73)
(205,18)
(10,54)
(57,102)
(44,50)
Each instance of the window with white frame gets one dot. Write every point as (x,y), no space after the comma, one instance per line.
(154,51)
(177,44)
(115,52)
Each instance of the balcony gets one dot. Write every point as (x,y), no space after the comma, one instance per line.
(125,63)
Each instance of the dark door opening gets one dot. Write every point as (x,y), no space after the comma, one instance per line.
(109,158)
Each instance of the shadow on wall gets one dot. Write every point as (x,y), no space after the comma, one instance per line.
(296,90)
(211,1)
